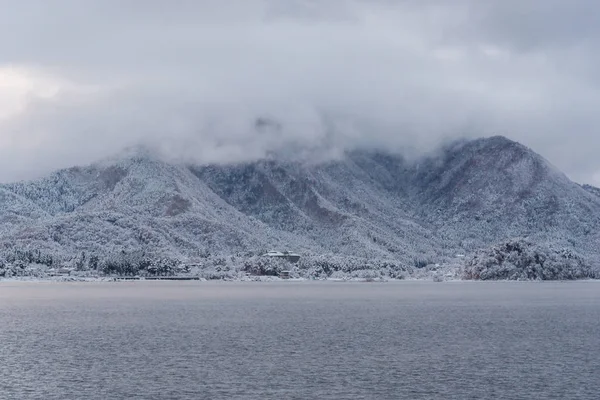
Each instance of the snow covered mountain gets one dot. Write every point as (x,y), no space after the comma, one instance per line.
(368,204)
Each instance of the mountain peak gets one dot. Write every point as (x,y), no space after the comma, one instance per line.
(369,204)
(496,143)
(137,153)
(500,139)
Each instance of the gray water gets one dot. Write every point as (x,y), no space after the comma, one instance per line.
(299,340)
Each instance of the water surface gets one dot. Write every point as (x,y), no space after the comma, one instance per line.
(299,340)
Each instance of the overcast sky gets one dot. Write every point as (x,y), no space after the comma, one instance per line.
(82,79)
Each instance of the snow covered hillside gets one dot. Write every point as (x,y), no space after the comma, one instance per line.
(368,205)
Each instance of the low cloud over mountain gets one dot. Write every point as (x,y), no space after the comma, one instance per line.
(81,81)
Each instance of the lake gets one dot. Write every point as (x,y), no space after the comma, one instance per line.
(299,340)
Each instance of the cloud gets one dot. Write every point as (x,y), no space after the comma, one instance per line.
(192,78)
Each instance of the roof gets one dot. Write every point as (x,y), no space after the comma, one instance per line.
(274,253)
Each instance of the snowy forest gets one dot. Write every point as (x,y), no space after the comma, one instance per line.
(513,260)
(482,209)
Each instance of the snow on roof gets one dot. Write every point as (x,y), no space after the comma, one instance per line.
(274,253)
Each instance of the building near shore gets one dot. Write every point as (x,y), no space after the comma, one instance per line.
(286,255)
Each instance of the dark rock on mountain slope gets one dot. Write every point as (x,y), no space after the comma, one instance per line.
(592,189)
(367,204)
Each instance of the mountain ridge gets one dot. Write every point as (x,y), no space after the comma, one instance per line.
(368,204)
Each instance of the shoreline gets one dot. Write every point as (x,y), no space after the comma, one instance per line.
(257,279)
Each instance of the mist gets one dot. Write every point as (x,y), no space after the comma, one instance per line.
(226,81)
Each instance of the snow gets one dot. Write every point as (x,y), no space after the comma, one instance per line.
(367,215)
